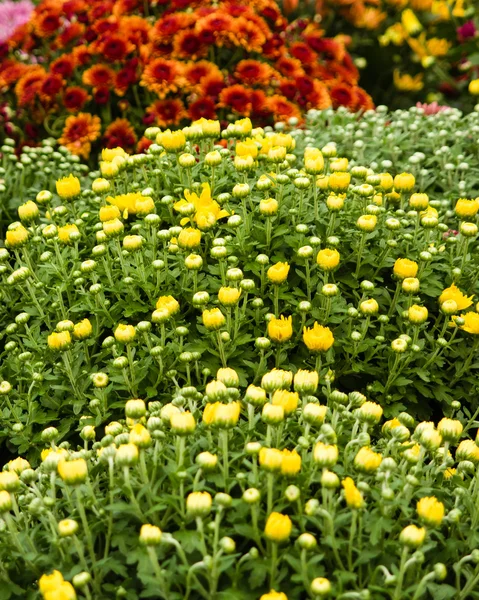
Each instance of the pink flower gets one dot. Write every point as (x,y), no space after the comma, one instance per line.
(433,108)
(466,31)
(12,15)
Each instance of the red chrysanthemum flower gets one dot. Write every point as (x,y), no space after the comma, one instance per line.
(82,55)
(73,32)
(187,44)
(47,24)
(211,86)
(194,72)
(50,87)
(101,96)
(169,25)
(303,53)
(63,66)
(363,100)
(167,112)
(254,72)
(98,76)
(260,109)
(79,132)
(75,98)
(273,47)
(236,98)
(143,145)
(288,89)
(202,108)
(114,48)
(121,134)
(162,76)
(124,79)
(319,98)
(343,95)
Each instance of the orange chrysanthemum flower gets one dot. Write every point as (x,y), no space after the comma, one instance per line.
(162,76)
(246,34)
(135,29)
(319,98)
(79,132)
(187,44)
(195,72)
(143,145)
(120,134)
(289,67)
(167,112)
(29,84)
(282,109)
(11,71)
(169,25)
(47,24)
(114,48)
(99,76)
(82,55)
(73,32)
(236,98)
(254,72)
(211,86)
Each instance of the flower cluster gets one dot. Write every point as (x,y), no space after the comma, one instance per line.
(215,493)
(113,68)
(420,48)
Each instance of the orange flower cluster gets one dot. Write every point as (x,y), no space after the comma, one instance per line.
(134,63)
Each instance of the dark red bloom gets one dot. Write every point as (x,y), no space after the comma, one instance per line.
(75,98)
(51,85)
(202,108)
(101,95)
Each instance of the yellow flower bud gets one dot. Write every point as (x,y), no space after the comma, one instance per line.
(412,536)
(318,338)
(417,314)
(172,141)
(182,423)
(280,330)
(271,459)
(339,181)
(450,429)
(68,187)
(229,296)
(82,330)
(272,414)
(352,495)
(367,461)
(419,201)
(140,436)
(67,527)
(17,236)
(73,472)
(68,233)
(222,415)
(327,259)
(268,207)
(28,211)
(278,273)
(370,412)
(291,463)
(132,243)
(198,504)
(278,527)
(189,238)
(367,223)
(125,334)
(150,535)
(288,400)
(59,340)
(431,511)
(403,267)
(306,382)
(325,455)
(213,319)
(404,182)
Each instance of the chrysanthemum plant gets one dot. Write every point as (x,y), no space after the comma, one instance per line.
(252,310)
(113,68)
